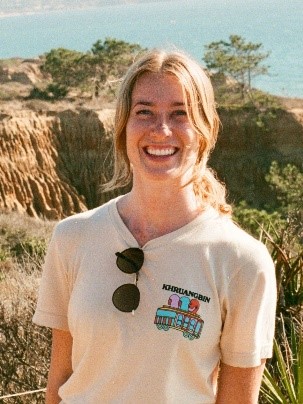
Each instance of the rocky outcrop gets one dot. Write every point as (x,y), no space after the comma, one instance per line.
(23,71)
(52,164)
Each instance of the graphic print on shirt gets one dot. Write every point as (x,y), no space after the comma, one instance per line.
(180,314)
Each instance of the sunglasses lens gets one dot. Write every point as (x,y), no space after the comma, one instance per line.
(127,297)
(130,261)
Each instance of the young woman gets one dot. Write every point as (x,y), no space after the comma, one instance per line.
(155,293)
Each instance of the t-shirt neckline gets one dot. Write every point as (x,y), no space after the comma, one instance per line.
(183,231)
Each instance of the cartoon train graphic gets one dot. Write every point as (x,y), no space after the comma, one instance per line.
(188,322)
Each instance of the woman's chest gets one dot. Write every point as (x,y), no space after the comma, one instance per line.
(178,299)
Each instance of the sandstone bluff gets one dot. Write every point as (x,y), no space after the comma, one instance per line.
(51,164)
(54,157)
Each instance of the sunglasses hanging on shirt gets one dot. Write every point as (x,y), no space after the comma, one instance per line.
(126,297)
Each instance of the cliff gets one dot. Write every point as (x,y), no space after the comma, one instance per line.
(52,164)
(54,156)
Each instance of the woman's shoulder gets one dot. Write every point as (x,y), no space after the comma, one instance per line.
(229,236)
(87,220)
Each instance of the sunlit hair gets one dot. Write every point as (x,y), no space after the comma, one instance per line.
(201,109)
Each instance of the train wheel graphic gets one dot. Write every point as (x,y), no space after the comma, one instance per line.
(188,335)
(163,327)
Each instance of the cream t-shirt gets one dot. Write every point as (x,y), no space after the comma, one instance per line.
(207,294)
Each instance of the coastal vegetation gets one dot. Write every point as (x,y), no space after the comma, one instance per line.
(232,64)
(238,59)
(277,220)
(95,71)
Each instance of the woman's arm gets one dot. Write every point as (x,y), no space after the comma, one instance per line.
(61,364)
(239,385)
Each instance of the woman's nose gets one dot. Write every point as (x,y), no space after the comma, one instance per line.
(162,127)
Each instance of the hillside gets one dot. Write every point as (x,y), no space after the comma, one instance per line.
(244,150)
(54,156)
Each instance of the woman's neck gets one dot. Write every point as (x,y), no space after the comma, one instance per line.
(150,212)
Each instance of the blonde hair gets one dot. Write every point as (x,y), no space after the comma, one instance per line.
(200,104)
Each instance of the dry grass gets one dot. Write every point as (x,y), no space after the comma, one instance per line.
(24,347)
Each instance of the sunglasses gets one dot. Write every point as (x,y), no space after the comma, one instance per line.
(126,297)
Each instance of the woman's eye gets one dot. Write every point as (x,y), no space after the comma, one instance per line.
(180,112)
(143,112)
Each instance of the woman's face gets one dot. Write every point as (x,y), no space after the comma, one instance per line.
(160,141)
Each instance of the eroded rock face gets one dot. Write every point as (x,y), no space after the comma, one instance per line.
(51,165)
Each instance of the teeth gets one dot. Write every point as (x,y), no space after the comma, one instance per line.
(160,152)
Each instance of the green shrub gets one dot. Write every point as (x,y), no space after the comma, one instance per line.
(33,247)
(283,375)
(287,182)
(253,220)
(3,255)
(52,92)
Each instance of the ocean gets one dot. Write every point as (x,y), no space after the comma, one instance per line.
(181,24)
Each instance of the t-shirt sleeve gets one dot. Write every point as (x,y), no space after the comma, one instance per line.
(249,310)
(54,291)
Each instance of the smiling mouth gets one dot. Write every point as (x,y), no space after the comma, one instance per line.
(169,151)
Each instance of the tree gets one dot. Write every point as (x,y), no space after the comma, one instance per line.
(107,60)
(114,56)
(68,68)
(237,59)
(111,58)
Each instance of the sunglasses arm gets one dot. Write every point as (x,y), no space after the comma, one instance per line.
(136,281)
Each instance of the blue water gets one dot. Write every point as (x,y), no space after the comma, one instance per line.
(186,24)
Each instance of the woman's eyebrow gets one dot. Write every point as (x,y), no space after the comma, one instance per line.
(142,102)
(150,103)
(178,104)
